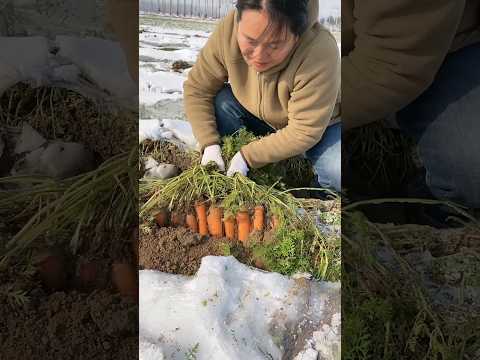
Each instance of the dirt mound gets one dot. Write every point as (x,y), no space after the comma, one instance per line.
(179,251)
(167,152)
(64,325)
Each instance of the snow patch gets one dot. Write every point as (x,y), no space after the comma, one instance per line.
(167,129)
(232,312)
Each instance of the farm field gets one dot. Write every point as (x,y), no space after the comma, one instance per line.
(255,225)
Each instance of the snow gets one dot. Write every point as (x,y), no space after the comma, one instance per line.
(156,86)
(106,63)
(169,129)
(235,312)
(163,171)
(161,88)
(22,59)
(29,140)
(37,156)
(32,60)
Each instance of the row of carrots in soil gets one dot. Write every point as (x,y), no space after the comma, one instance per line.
(52,271)
(57,274)
(212,221)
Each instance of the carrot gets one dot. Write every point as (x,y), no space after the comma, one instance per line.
(214,220)
(124,277)
(274,222)
(191,222)
(52,271)
(229,223)
(259,218)
(162,218)
(201,211)
(243,221)
(177,219)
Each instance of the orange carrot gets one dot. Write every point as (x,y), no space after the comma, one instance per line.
(229,223)
(124,278)
(192,222)
(243,221)
(162,218)
(52,271)
(259,218)
(176,219)
(201,211)
(274,222)
(214,219)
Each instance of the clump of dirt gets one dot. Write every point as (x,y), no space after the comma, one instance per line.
(167,152)
(180,65)
(179,251)
(64,325)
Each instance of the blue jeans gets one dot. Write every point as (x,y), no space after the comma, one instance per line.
(325,156)
(445,123)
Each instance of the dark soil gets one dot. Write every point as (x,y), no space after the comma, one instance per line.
(70,326)
(83,316)
(179,251)
(180,65)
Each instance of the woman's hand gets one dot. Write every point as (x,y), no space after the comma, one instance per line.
(238,165)
(213,153)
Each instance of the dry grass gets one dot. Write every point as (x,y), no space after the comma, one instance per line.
(94,206)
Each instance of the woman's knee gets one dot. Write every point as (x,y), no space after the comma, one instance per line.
(455,179)
(329,173)
(326,159)
(226,112)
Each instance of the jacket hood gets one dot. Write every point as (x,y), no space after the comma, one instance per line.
(313,9)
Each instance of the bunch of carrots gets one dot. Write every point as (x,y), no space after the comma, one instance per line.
(211,220)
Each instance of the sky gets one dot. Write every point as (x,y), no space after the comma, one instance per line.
(329,7)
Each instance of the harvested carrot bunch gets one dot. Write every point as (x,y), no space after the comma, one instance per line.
(210,194)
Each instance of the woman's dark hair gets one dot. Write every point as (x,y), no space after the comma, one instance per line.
(291,13)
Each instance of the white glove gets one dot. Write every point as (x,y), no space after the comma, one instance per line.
(238,165)
(213,153)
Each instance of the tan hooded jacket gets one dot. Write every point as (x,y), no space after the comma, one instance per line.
(392,50)
(297,97)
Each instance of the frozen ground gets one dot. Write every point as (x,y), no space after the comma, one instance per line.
(228,311)
(162,42)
